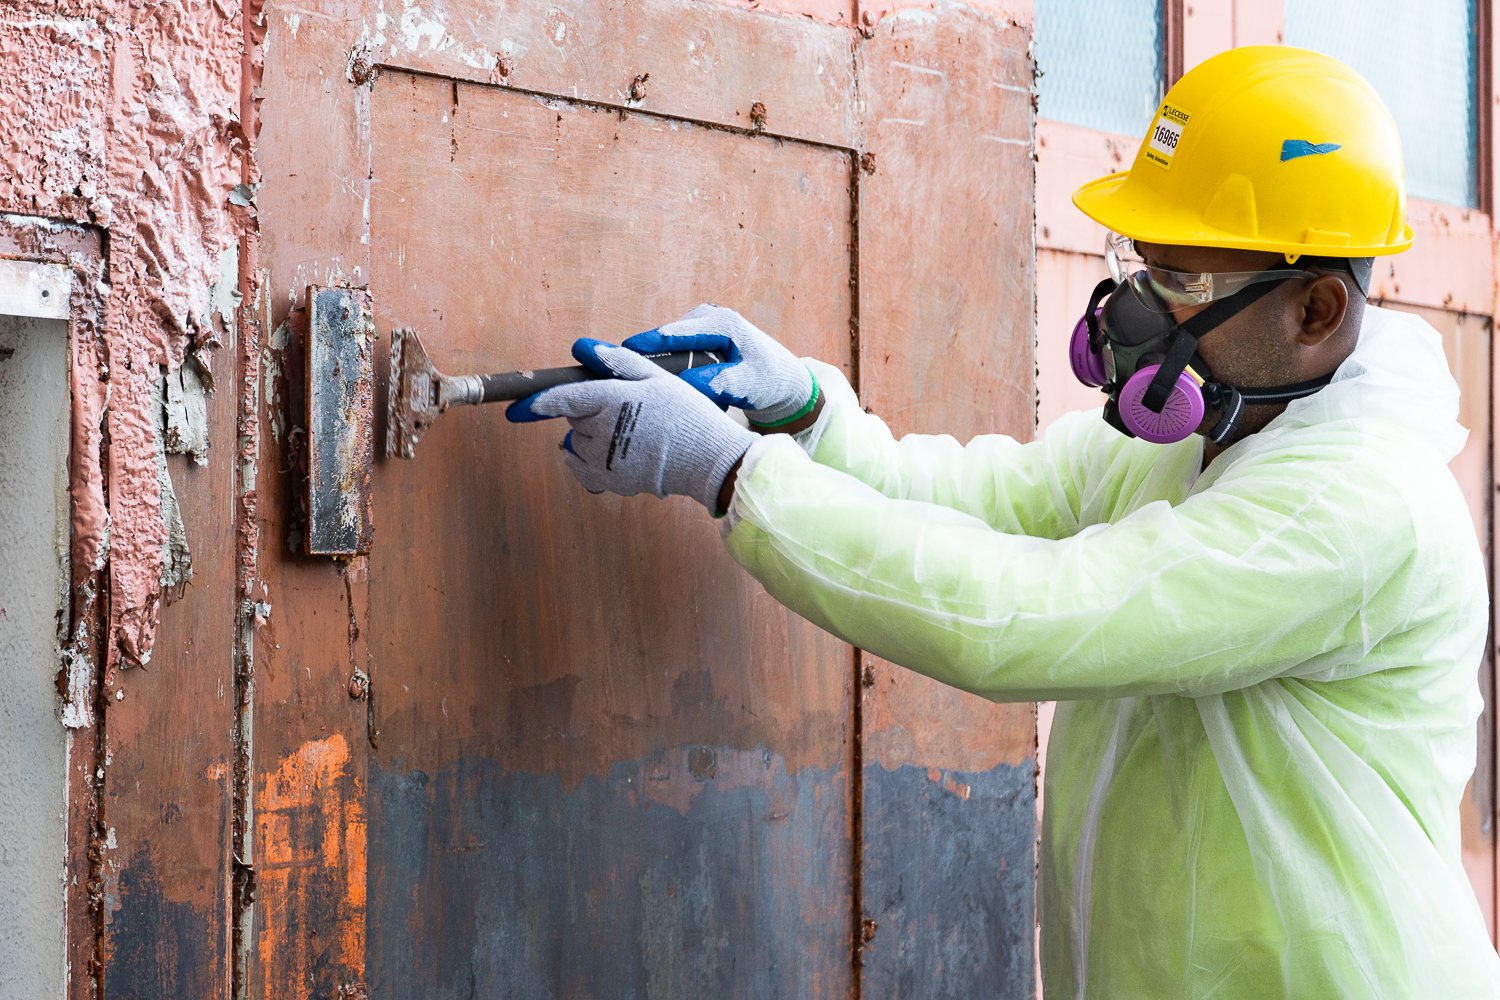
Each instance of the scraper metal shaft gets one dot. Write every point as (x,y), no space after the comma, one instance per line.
(517,385)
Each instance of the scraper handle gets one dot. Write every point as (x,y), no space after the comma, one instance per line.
(517,385)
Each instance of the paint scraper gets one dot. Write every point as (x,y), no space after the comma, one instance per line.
(418,393)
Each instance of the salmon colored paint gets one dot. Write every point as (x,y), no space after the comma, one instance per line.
(131,129)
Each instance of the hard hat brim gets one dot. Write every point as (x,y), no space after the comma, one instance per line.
(1108,202)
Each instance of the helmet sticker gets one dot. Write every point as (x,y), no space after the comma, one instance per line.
(1293,148)
(1165,135)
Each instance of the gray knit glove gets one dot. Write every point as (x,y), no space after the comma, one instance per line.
(639,429)
(760,376)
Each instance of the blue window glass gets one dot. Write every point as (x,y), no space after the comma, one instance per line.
(1101,63)
(1423,60)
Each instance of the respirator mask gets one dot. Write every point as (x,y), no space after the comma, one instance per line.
(1129,344)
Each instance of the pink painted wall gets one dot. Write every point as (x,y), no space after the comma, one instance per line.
(125,118)
(866,14)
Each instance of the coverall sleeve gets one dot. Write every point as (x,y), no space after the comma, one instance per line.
(1277,570)
(1029,489)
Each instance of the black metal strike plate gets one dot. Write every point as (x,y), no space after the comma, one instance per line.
(340,420)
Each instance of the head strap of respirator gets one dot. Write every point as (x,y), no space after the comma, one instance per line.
(1159,387)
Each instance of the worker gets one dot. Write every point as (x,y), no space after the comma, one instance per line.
(1250,581)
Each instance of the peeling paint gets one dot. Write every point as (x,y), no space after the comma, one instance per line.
(185,411)
(176,559)
(89,373)
(76,677)
(53,121)
(224,296)
(419,29)
(274,377)
(130,125)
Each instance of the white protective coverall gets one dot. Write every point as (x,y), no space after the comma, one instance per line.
(1267,669)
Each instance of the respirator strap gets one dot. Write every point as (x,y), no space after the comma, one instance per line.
(1180,354)
(1090,316)
(1285,393)
(1231,401)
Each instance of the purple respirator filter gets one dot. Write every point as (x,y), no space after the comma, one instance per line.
(1180,416)
(1088,366)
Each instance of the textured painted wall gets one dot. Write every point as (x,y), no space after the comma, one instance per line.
(33,494)
(125,117)
(121,151)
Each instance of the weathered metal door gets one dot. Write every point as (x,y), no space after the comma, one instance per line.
(539,743)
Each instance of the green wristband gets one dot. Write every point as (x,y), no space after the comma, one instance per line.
(812,402)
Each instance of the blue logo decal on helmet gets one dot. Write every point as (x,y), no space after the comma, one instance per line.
(1293,148)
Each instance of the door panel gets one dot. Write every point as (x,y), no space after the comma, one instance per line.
(595,758)
(946,333)
(606,759)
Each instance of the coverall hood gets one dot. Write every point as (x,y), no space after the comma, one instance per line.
(1397,369)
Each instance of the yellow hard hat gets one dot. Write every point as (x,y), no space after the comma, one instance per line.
(1263,148)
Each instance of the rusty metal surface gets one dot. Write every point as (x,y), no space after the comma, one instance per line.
(561,741)
(945,345)
(340,396)
(616,766)
(167,804)
(411,403)
(303,854)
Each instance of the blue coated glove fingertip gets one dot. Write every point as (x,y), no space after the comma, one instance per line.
(650,342)
(700,378)
(521,412)
(586,353)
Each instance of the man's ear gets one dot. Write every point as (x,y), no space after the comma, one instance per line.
(1325,304)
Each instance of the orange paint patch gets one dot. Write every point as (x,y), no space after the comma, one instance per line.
(311,834)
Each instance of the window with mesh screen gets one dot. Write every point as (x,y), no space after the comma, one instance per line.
(1100,63)
(1423,59)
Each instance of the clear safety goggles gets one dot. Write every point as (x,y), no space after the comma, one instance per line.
(1164,291)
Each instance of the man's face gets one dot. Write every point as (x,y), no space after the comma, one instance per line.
(1250,349)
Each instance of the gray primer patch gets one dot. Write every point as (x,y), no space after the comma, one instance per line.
(185,411)
(176,559)
(33,583)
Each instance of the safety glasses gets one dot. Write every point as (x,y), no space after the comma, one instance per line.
(1164,291)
